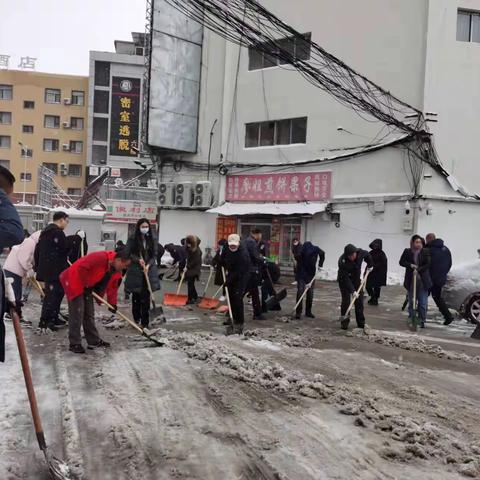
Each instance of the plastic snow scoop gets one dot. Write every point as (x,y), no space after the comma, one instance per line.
(154,311)
(143,331)
(345,319)
(37,285)
(176,299)
(413,323)
(277,297)
(57,468)
(209,303)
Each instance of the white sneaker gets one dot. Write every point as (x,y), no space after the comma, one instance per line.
(222,299)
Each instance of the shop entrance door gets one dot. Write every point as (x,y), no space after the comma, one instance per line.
(290,231)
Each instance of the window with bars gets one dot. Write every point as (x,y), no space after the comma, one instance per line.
(298,47)
(468,26)
(52,95)
(26,152)
(53,167)
(276,132)
(5,118)
(76,146)
(74,170)
(76,123)
(5,141)
(6,92)
(25,177)
(51,121)
(78,97)
(51,145)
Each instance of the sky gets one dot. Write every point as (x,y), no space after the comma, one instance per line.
(60,33)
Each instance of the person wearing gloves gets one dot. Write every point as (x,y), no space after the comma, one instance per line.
(416,260)
(193,266)
(308,257)
(19,265)
(349,280)
(99,272)
(236,261)
(78,246)
(142,248)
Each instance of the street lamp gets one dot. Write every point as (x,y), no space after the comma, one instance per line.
(24,154)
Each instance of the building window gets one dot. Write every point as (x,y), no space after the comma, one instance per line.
(51,121)
(51,145)
(102,74)
(6,92)
(76,146)
(53,167)
(52,95)
(468,26)
(78,97)
(74,191)
(28,104)
(5,164)
(100,129)
(298,47)
(99,154)
(277,132)
(5,118)
(100,101)
(25,177)
(27,128)
(74,170)
(5,141)
(76,123)
(26,152)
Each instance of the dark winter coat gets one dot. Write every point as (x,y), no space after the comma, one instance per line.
(441,262)
(135,280)
(11,233)
(307,259)
(264,248)
(237,266)
(194,257)
(51,254)
(350,273)
(160,253)
(378,276)
(256,259)
(424,262)
(216,262)
(75,250)
(178,253)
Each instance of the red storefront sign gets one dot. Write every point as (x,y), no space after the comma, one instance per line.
(225,226)
(279,187)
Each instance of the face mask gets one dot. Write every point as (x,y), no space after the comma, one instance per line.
(144,230)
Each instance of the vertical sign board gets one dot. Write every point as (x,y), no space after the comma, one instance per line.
(124,116)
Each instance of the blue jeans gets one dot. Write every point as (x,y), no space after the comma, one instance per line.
(422,303)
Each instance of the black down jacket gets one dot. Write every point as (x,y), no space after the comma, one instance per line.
(378,276)
(441,262)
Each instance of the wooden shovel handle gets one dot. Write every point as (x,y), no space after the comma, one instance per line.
(227,294)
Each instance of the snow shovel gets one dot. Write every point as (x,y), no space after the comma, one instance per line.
(143,331)
(209,303)
(300,300)
(154,311)
(176,300)
(58,470)
(277,297)
(413,324)
(345,319)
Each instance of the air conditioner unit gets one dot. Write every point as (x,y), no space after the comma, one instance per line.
(63,169)
(67,101)
(184,194)
(66,147)
(202,194)
(66,124)
(166,194)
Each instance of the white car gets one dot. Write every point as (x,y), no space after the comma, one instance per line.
(462,291)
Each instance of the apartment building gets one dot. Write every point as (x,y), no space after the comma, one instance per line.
(295,162)
(43,121)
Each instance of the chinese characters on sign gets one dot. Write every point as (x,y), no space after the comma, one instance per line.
(124,116)
(279,187)
(130,212)
(226,226)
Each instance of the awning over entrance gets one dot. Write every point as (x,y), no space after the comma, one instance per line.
(229,209)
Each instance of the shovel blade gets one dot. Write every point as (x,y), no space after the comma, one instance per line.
(174,300)
(276,299)
(209,303)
